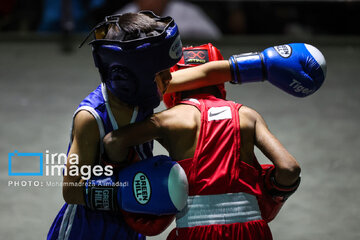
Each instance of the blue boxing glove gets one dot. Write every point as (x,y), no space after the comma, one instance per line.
(155,186)
(297,68)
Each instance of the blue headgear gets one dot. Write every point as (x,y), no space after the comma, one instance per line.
(128,67)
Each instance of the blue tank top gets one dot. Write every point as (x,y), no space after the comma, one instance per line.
(79,222)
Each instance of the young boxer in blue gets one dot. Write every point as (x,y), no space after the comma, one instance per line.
(129,50)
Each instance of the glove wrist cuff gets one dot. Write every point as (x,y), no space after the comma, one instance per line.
(277,190)
(283,188)
(101,193)
(247,67)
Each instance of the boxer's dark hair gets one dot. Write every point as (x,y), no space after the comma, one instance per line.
(134,26)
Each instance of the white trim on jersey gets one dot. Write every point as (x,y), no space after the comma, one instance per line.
(114,124)
(68,230)
(140,151)
(194,100)
(135,114)
(67,221)
(99,122)
(111,115)
(68,218)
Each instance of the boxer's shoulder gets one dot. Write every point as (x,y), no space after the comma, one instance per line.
(180,116)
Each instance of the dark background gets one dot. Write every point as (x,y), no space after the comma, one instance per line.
(256,17)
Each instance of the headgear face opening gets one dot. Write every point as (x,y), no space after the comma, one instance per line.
(194,56)
(128,67)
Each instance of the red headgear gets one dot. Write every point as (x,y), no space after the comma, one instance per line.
(194,56)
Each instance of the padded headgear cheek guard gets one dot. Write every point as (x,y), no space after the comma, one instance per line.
(128,68)
(194,56)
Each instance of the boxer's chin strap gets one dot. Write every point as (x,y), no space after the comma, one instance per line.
(101,193)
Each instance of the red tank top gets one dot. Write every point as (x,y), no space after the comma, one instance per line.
(216,167)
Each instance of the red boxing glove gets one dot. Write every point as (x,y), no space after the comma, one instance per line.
(146,224)
(273,194)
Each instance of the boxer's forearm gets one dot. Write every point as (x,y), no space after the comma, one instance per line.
(74,178)
(287,168)
(116,143)
(210,73)
(115,147)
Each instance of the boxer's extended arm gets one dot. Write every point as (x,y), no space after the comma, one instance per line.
(175,129)
(298,69)
(287,169)
(86,146)
(207,74)
(116,143)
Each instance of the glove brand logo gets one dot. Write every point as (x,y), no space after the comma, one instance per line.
(296,85)
(103,198)
(283,50)
(142,188)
